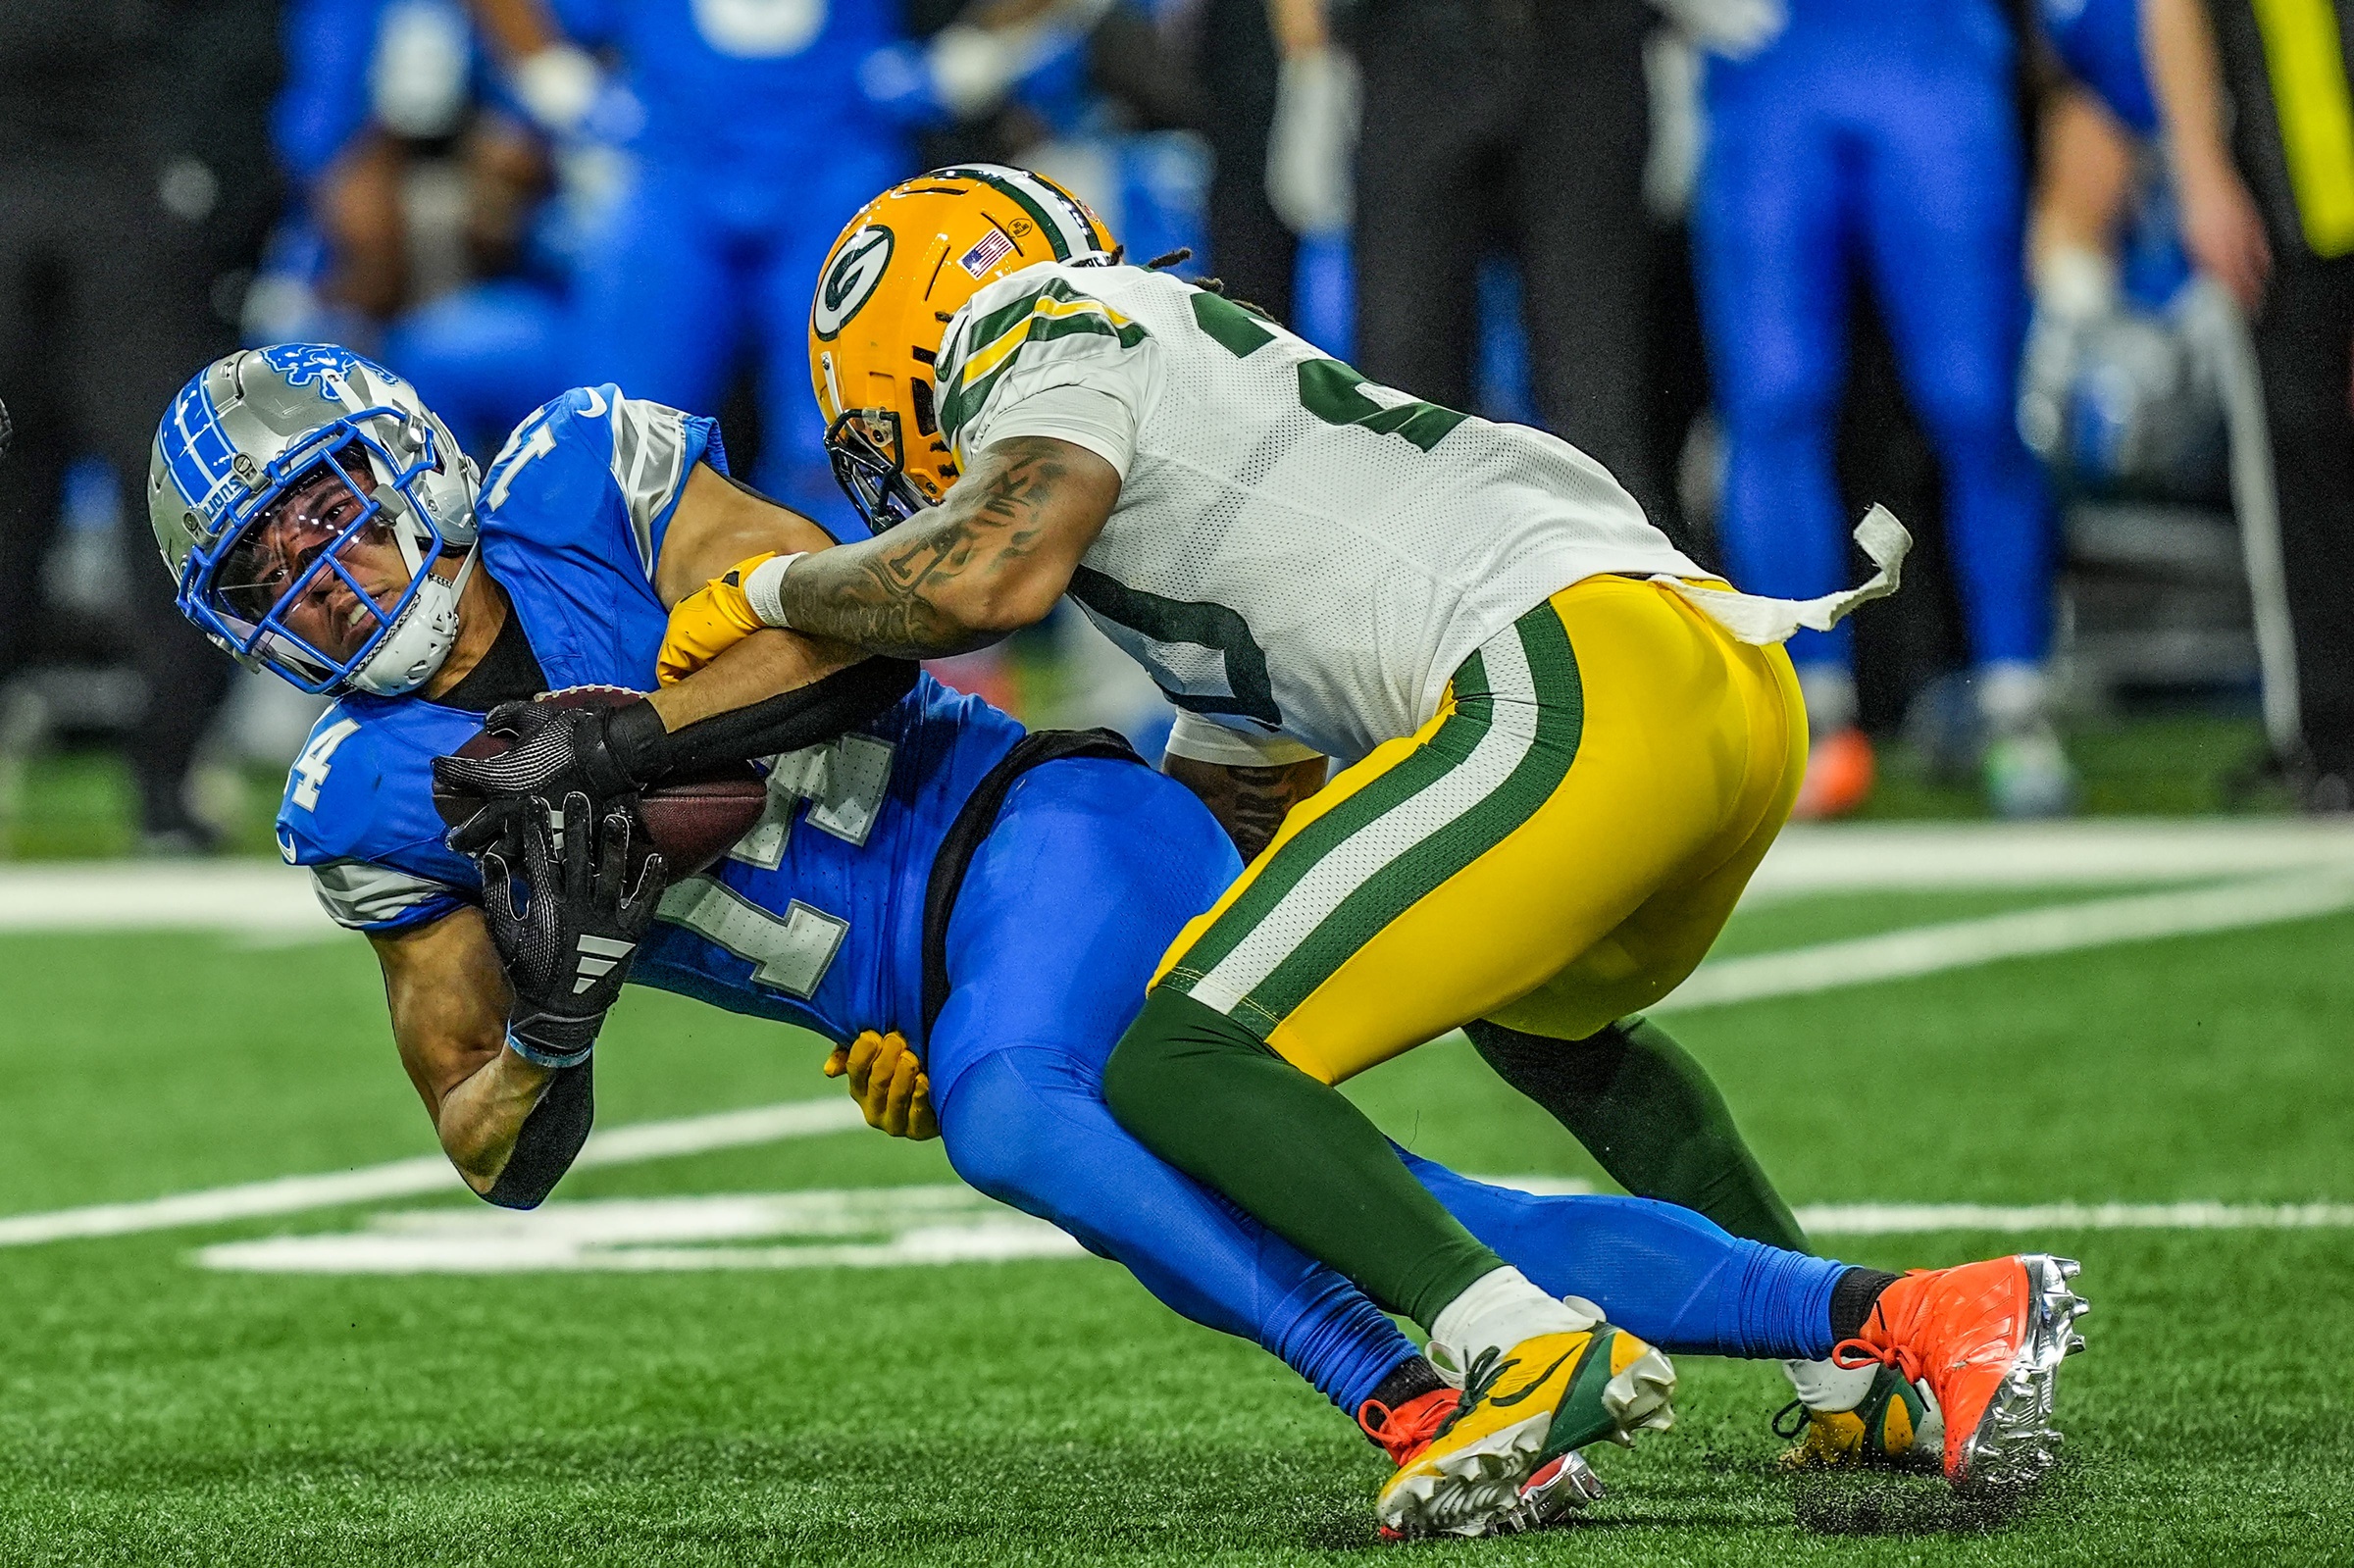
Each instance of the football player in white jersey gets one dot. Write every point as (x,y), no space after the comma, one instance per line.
(1564,751)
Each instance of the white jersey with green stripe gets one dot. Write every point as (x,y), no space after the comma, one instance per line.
(1297,553)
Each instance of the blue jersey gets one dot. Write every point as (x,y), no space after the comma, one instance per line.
(767,84)
(816,916)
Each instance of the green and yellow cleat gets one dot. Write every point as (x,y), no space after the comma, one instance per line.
(1519,1412)
(1894,1426)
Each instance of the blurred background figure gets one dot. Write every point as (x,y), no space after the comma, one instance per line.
(1261,61)
(134,187)
(1882,136)
(1519,129)
(2260,138)
(2139,392)
(427,229)
(753,144)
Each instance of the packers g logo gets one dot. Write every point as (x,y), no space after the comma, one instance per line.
(849,284)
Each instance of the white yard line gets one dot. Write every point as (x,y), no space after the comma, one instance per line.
(873,1228)
(236,896)
(1903,954)
(1860,856)
(1912,1218)
(274,902)
(430,1172)
(2058,928)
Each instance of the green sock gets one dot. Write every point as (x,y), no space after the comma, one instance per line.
(1205,1094)
(1649,1114)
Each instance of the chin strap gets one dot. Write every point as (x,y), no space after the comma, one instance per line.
(420,665)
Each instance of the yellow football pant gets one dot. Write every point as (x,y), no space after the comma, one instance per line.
(1558,847)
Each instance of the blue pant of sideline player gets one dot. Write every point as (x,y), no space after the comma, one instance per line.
(1091,869)
(1881,134)
(687,269)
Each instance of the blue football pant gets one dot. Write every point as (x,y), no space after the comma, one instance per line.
(1091,869)
(1914,175)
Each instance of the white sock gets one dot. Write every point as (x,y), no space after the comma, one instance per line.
(1825,1385)
(2013,695)
(1499,1311)
(1830,693)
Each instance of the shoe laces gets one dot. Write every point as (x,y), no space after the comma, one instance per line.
(1899,1357)
(1897,1353)
(1784,1427)
(1409,1426)
(1486,1370)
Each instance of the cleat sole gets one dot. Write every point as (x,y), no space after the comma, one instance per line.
(1637,1399)
(2015,1443)
(1467,1491)
(1560,1487)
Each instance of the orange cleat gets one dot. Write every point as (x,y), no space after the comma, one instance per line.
(1839,774)
(1989,1338)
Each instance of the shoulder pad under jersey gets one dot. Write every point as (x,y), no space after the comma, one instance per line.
(598,471)
(358,811)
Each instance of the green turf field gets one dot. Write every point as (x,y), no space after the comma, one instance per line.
(78,804)
(1044,1409)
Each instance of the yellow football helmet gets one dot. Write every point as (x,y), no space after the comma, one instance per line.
(905,263)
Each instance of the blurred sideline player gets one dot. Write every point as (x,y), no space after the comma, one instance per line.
(2088,157)
(756,142)
(1565,761)
(322,523)
(2123,391)
(2258,109)
(377,92)
(1883,135)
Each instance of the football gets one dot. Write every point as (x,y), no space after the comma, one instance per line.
(691,820)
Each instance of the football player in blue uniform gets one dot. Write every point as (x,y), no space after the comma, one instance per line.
(756,142)
(1883,135)
(996,900)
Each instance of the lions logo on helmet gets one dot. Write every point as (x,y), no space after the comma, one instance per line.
(316,516)
(907,263)
(330,365)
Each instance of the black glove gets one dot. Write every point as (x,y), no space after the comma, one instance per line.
(555,750)
(569,949)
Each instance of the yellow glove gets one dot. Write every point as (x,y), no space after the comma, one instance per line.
(889,1085)
(708,622)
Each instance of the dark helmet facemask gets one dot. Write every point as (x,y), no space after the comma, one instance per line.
(873,473)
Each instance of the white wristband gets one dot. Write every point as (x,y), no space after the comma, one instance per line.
(762,588)
(557,85)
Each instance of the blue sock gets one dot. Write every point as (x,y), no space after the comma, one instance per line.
(1662,1273)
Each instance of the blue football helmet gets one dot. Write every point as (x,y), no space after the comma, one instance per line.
(317,518)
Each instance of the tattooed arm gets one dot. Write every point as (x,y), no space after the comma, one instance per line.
(1249,803)
(989,560)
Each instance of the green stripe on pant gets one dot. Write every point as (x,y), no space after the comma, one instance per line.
(1421,869)
(1201,1089)
(1298,857)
